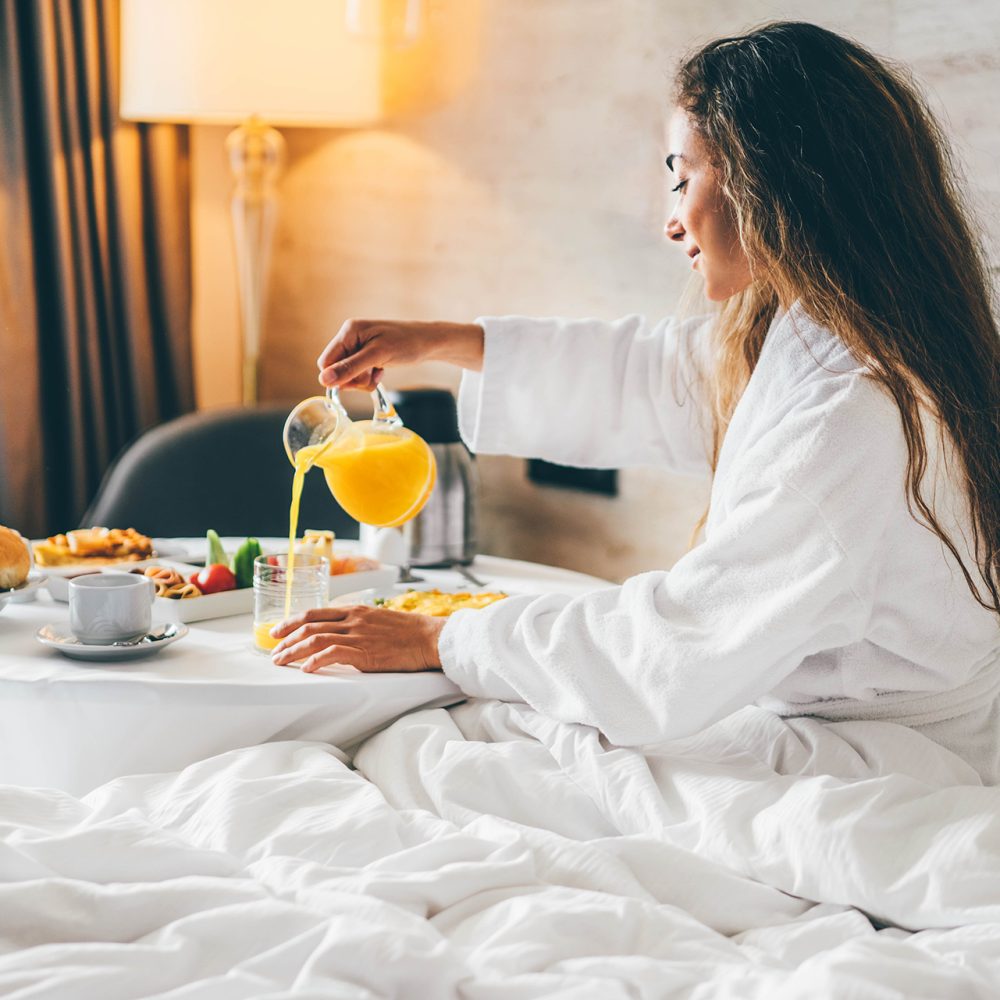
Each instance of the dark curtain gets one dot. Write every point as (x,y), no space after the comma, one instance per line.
(95,273)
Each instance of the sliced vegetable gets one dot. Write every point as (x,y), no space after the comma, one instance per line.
(216,553)
(242,564)
(214,579)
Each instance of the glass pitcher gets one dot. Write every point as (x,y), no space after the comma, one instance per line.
(379,471)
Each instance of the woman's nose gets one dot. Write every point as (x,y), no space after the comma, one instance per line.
(673,230)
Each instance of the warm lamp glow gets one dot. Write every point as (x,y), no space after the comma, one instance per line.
(260,63)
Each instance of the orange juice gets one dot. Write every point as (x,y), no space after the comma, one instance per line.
(303,463)
(381,477)
(262,635)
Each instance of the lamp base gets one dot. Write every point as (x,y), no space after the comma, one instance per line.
(256,154)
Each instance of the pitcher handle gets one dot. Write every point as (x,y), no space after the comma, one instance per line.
(385,412)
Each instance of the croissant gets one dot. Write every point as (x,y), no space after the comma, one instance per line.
(180,591)
(163,578)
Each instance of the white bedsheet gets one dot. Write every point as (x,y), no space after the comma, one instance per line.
(486,852)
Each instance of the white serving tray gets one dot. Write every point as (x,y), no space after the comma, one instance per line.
(165,609)
(196,609)
(200,609)
(229,602)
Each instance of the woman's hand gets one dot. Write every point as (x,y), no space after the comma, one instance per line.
(371,639)
(354,359)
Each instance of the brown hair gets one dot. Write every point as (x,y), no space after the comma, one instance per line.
(845,199)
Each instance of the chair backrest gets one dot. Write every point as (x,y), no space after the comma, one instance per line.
(224,469)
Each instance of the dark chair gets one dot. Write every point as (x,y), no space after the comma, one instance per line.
(222,469)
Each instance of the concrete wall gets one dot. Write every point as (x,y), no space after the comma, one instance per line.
(541,190)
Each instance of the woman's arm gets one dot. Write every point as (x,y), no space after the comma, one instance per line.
(668,653)
(590,393)
(794,563)
(658,658)
(362,348)
(578,392)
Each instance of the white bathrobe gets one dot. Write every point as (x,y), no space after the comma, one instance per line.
(814,592)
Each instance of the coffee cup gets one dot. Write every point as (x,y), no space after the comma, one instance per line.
(110,607)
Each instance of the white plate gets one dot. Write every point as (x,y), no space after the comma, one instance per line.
(60,638)
(25,592)
(194,550)
(161,551)
(348,583)
(403,588)
(80,569)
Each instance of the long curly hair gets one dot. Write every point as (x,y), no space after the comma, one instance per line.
(845,196)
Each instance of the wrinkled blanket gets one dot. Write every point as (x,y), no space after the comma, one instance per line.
(487,852)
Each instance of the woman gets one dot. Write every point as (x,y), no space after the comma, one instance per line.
(846,397)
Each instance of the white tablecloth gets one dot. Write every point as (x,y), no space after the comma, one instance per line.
(72,725)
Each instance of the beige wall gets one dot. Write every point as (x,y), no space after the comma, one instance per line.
(539,190)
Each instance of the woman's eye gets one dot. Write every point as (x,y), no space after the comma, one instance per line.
(680,186)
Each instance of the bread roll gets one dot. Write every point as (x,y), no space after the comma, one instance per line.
(15,562)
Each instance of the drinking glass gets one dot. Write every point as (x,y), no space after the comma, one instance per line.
(273,600)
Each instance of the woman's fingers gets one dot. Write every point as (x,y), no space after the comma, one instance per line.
(354,359)
(321,649)
(289,625)
(356,367)
(363,347)
(366,381)
(370,639)
(333,656)
(308,630)
(347,340)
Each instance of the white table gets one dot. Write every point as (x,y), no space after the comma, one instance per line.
(71,725)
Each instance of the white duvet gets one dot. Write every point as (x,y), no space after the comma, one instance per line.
(487,852)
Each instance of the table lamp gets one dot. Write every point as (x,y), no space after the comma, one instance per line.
(261,63)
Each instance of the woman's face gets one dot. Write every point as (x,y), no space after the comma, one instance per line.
(702,221)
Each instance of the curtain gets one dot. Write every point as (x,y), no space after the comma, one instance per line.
(95,271)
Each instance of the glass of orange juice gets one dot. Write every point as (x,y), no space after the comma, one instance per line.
(274,599)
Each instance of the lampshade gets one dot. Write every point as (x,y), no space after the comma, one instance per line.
(290,62)
(258,64)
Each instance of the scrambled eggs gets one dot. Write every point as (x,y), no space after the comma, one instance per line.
(437,603)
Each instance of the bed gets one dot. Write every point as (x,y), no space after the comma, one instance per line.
(484,851)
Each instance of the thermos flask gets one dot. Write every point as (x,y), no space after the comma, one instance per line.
(444,532)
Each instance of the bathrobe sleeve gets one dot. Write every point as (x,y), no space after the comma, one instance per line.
(668,653)
(789,570)
(589,393)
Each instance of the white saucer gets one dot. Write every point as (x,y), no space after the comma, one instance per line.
(60,638)
(25,592)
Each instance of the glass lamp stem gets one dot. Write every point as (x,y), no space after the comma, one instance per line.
(256,152)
